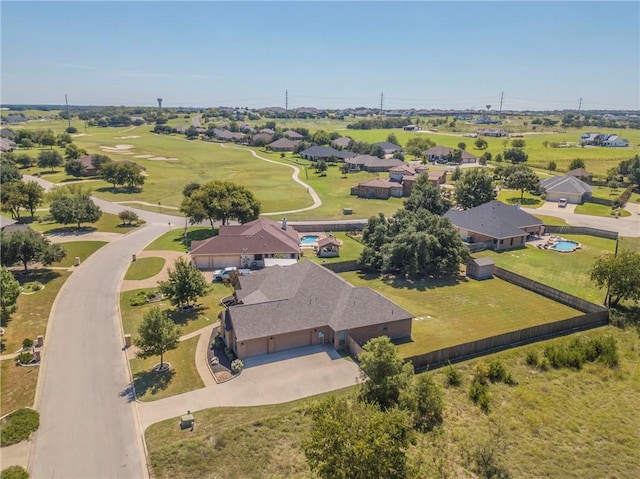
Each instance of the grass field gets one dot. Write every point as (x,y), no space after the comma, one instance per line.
(548,427)
(594,209)
(632,244)
(108,223)
(174,239)
(564,271)
(182,377)
(18,385)
(448,312)
(349,251)
(78,249)
(144,268)
(551,220)
(511,197)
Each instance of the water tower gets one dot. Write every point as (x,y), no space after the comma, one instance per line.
(160,103)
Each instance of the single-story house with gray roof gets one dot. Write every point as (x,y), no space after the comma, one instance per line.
(372,164)
(499,225)
(285,307)
(318,152)
(568,187)
(282,144)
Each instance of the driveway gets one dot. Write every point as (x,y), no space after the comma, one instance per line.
(268,379)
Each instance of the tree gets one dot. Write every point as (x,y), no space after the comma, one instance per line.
(418,144)
(456,174)
(158,334)
(49,159)
(462,145)
(424,401)
(486,157)
(128,217)
(185,284)
(8,169)
(109,172)
(344,169)
(392,138)
(24,160)
(551,166)
(620,274)
(355,440)
(72,152)
(9,292)
(33,196)
(518,143)
(524,179)
(427,196)
(221,200)
(321,167)
(481,144)
(47,138)
(98,160)
(515,155)
(474,188)
(129,175)
(75,209)
(576,163)
(190,188)
(385,373)
(75,168)
(28,247)
(12,198)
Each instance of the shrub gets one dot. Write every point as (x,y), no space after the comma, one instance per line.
(479,394)
(27,343)
(230,354)
(24,358)
(582,349)
(544,364)
(496,372)
(237,365)
(139,299)
(624,197)
(18,426)
(71,129)
(219,342)
(532,358)
(480,372)
(453,377)
(14,472)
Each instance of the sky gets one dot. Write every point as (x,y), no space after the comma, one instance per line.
(417,54)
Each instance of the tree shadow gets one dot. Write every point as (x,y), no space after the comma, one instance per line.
(151,382)
(524,201)
(118,191)
(182,317)
(71,230)
(43,276)
(401,282)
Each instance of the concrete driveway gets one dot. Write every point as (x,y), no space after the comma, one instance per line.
(268,379)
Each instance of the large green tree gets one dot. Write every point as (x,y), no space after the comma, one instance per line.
(12,198)
(28,247)
(481,144)
(515,155)
(74,167)
(427,196)
(185,284)
(522,178)
(385,374)
(220,200)
(619,274)
(354,440)
(9,292)
(50,159)
(424,401)
(474,188)
(418,144)
(8,169)
(157,335)
(75,209)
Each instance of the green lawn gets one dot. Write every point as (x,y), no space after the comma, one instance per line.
(564,271)
(449,312)
(174,239)
(540,438)
(551,220)
(626,242)
(594,209)
(144,268)
(108,223)
(78,249)
(18,385)
(511,197)
(191,320)
(349,251)
(182,377)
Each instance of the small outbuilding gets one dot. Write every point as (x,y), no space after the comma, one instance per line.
(480,268)
(329,247)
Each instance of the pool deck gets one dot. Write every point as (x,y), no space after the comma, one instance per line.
(547,242)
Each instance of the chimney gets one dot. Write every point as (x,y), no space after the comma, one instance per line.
(284,223)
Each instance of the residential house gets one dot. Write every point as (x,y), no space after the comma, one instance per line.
(226,135)
(260,138)
(341,142)
(436,178)
(267,131)
(12,119)
(329,247)
(498,225)
(398,172)
(9,225)
(442,154)
(293,135)
(7,133)
(389,148)
(572,189)
(87,163)
(372,164)
(379,188)
(411,128)
(581,173)
(603,139)
(615,141)
(495,132)
(7,145)
(317,152)
(285,307)
(282,144)
(247,245)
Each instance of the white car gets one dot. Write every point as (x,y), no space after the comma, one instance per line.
(562,203)
(222,274)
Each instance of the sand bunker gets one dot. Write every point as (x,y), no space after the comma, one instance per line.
(78,135)
(155,158)
(126,137)
(143,156)
(120,149)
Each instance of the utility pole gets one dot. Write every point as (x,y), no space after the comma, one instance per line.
(286,100)
(68,116)
(501,98)
(381,102)
(580,105)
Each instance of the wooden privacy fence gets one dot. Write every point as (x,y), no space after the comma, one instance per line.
(581,230)
(310,227)
(342,266)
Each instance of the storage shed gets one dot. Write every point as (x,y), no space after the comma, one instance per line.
(480,268)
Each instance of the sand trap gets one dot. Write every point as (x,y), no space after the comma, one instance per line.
(143,156)
(126,137)
(122,149)
(78,135)
(162,158)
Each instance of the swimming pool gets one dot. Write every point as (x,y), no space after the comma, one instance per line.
(309,239)
(565,246)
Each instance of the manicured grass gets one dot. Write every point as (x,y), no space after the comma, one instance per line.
(32,314)
(564,271)
(542,421)
(144,268)
(182,377)
(78,249)
(606,193)
(17,385)
(551,220)
(191,320)
(511,197)
(174,239)
(450,312)
(349,251)
(594,209)
(108,223)
(626,242)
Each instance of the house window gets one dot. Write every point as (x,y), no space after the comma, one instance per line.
(258,257)
(384,328)
(342,338)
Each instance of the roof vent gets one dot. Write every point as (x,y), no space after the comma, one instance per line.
(284,223)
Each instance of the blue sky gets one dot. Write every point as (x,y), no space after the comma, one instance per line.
(543,55)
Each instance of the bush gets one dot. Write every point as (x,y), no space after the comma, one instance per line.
(14,472)
(219,342)
(27,343)
(237,366)
(544,364)
(453,377)
(139,299)
(24,358)
(230,354)
(624,197)
(479,394)
(532,358)
(18,426)
(582,349)
(480,372)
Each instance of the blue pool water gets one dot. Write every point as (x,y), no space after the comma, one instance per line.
(309,239)
(565,246)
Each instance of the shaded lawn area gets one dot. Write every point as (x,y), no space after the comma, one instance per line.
(551,220)
(594,209)
(108,223)
(80,249)
(450,312)
(144,268)
(18,386)
(350,250)
(511,197)
(174,240)
(182,377)
(191,320)
(567,272)
(30,319)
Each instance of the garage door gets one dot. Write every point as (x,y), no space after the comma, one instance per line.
(203,262)
(256,347)
(293,340)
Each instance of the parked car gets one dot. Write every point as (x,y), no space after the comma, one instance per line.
(562,203)
(222,274)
